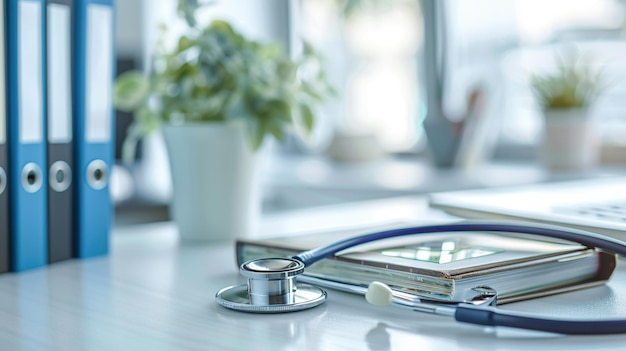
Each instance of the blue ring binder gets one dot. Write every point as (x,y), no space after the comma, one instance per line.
(26,126)
(94,124)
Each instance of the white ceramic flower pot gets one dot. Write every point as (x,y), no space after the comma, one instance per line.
(216,190)
(569,140)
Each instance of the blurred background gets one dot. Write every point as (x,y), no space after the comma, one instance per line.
(396,64)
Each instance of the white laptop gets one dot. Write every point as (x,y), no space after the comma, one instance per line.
(597,205)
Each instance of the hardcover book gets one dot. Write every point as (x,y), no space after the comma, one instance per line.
(443,266)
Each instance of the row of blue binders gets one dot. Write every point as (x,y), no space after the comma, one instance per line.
(56,126)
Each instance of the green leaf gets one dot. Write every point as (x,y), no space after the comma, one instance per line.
(277,128)
(278,133)
(270,51)
(185,43)
(147,121)
(187,9)
(131,90)
(216,74)
(574,84)
(256,134)
(129,146)
(308,118)
(223,27)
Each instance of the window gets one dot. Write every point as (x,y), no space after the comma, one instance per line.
(375,49)
(371,50)
(502,51)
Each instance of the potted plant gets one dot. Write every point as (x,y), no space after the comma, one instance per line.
(566,97)
(217,96)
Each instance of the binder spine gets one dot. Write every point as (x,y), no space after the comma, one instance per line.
(60,203)
(93,153)
(4,161)
(27,147)
(60,159)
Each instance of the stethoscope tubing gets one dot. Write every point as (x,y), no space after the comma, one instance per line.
(488,315)
(491,316)
(579,236)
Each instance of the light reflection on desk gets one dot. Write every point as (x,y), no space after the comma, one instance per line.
(298,331)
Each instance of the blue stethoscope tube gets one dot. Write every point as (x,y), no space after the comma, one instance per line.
(480,314)
(491,316)
(585,238)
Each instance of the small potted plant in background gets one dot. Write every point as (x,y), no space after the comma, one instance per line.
(566,98)
(217,96)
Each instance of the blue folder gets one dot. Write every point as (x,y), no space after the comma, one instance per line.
(4,157)
(93,124)
(27,129)
(60,146)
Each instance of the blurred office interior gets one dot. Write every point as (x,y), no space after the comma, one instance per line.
(395,63)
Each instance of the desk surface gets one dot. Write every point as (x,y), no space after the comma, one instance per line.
(153,293)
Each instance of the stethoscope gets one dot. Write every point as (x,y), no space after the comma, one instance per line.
(272,288)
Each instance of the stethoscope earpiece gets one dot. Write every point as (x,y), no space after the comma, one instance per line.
(271,288)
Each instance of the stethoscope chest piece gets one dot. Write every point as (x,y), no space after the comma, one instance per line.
(271,288)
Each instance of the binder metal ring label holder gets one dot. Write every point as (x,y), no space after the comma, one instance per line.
(97,175)
(31,177)
(3,180)
(60,177)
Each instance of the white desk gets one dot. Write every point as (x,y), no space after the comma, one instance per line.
(153,294)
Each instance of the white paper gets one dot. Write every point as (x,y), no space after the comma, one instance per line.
(3,114)
(59,74)
(29,72)
(99,73)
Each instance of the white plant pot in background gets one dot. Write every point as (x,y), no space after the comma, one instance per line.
(569,140)
(216,190)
